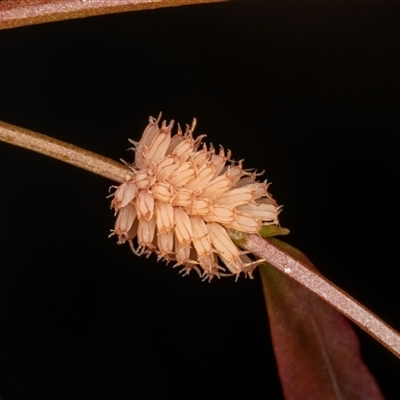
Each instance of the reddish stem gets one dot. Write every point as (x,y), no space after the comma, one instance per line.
(326,290)
(63,151)
(14,13)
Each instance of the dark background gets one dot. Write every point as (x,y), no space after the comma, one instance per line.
(309,92)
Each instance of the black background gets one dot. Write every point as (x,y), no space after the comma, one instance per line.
(307,91)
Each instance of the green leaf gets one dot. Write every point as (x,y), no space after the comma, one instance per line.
(272,230)
(317,350)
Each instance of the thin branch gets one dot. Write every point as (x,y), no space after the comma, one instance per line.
(14,13)
(291,267)
(64,151)
(326,290)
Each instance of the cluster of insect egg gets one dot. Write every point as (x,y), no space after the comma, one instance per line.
(182,197)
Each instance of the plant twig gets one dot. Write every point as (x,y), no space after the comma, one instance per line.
(63,151)
(14,13)
(326,290)
(291,267)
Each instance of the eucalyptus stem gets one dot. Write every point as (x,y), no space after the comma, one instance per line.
(324,289)
(278,258)
(64,152)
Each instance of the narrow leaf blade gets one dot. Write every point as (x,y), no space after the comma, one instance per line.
(316,348)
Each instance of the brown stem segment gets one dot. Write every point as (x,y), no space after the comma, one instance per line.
(64,151)
(291,267)
(326,290)
(14,13)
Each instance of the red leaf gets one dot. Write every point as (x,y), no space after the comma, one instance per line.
(316,348)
